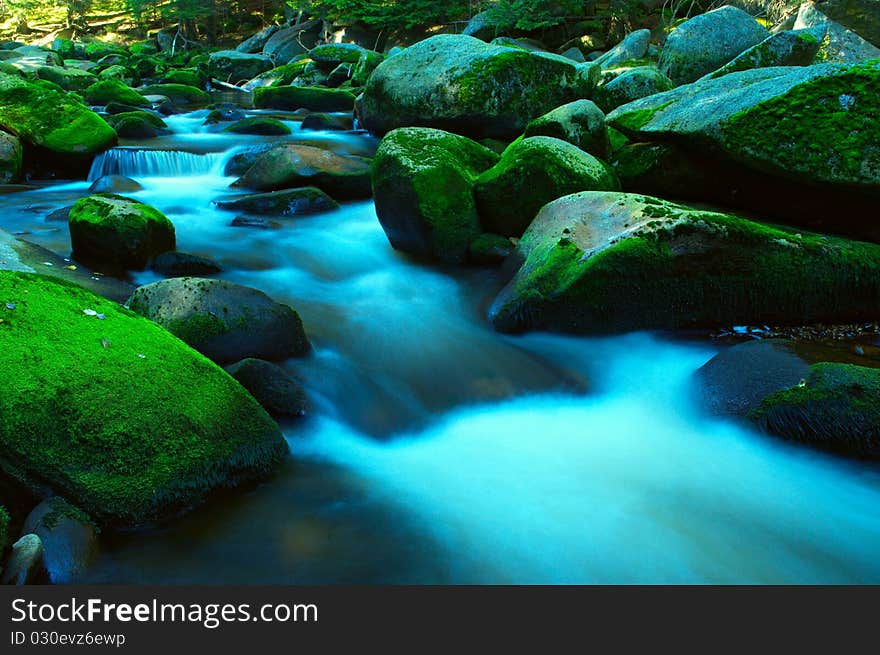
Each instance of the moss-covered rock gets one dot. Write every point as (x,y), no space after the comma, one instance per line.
(185,76)
(839,44)
(137,124)
(114,90)
(279,76)
(224,321)
(367,62)
(328,56)
(633,46)
(423,183)
(69,79)
(271,386)
(121,73)
(53,121)
(179,94)
(598,262)
(111,230)
(635,83)
(258,125)
(117,415)
(293,165)
(287,202)
(68,49)
(460,84)
(97,50)
(581,123)
(321,121)
(708,41)
(490,249)
(295,97)
(10,158)
(233,66)
(531,173)
(788,48)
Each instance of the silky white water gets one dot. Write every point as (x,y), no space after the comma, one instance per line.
(439,451)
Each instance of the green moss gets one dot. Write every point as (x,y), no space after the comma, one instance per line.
(51,119)
(837,407)
(179,93)
(117,415)
(114,90)
(335,53)
(636,120)
(258,125)
(97,50)
(311,98)
(825,127)
(185,76)
(285,74)
(136,124)
(69,79)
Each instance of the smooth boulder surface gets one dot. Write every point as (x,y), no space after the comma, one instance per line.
(632,84)
(179,94)
(137,125)
(860,16)
(298,97)
(119,417)
(706,42)
(531,173)
(69,79)
(599,262)
(460,84)
(69,538)
(788,48)
(423,183)
(233,66)
(120,232)
(258,125)
(287,166)
(271,386)
(225,322)
(840,44)
(286,202)
(113,90)
(634,46)
(25,563)
(114,184)
(581,123)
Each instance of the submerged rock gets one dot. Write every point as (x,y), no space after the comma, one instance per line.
(224,321)
(180,264)
(129,424)
(120,232)
(287,202)
(531,173)
(423,183)
(460,84)
(598,262)
(274,389)
(113,184)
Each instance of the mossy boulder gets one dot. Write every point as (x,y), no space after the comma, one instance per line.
(706,42)
(279,76)
(633,46)
(263,125)
(271,386)
(97,50)
(297,97)
(115,231)
(69,79)
(328,56)
(224,321)
(185,76)
(54,122)
(114,90)
(597,262)
(531,173)
(581,123)
(366,64)
(839,44)
(787,48)
(233,66)
(137,125)
(68,49)
(460,84)
(321,121)
(117,415)
(286,202)
(812,126)
(635,83)
(121,73)
(288,166)
(179,94)
(423,181)
(10,158)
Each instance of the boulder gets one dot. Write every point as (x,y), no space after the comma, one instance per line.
(185,76)
(490,249)
(860,16)
(632,84)
(10,158)
(114,90)
(114,184)
(366,64)
(531,173)
(137,125)
(262,125)
(115,231)
(597,262)
(840,44)
(180,264)
(120,73)
(25,564)
(788,48)
(423,183)
(97,50)
(633,46)
(708,41)
(460,84)
(120,418)
(287,202)
(322,121)
(581,123)
(280,76)
(256,42)
(69,79)
(328,56)
(233,66)
(483,25)
(288,166)
(311,98)
(225,322)
(288,42)
(69,538)
(179,94)
(273,388)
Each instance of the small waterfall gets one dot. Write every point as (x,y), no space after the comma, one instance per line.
(139,162)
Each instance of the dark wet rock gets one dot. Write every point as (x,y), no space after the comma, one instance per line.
(262,125)
(10,158)
(120,108)
(225,113)
(423,182)
(273,388)
(59,215)
(108,229)
(180,264)
(581,123)
(240,162)
(327,122)
(224,321)
(288,166)
(25,563)
(288,42)
(112,184)
(490,249)
(255,223)
(69,538)
(233,66)
(137,125)
(286,202)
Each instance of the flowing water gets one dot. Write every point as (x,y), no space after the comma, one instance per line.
(437,451)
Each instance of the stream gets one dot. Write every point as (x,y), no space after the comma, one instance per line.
(438,451)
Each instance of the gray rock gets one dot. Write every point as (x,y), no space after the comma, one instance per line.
(254,44)
(633,46)
(860,16)
(581,123)
(840,44)
(288,42)
(708,41)
(482,25)
(114,184)
(633,84)
(69,538)
(789,48)
(225,322)
(25,564)
(271,386)
(286,202)
(233,66)
(180,264)
(10,158)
